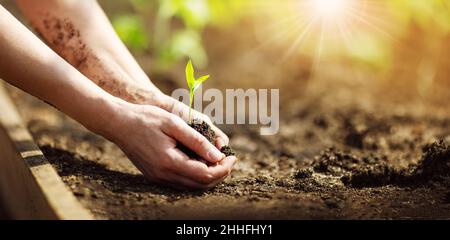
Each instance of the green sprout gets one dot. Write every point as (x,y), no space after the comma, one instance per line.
(193,84)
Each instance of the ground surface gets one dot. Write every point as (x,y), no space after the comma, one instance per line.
(3,214)
(331,159)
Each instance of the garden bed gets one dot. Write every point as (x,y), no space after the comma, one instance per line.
(30,188)
(339,161)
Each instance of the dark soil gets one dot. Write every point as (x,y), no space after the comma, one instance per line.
(433,166)
(307,171)
(228,151)
(204,128)
(3,212)
(435,162)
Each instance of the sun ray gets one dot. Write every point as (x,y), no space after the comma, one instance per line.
(370,24)
(372,17)
(313,27)
(287,30)
(294,46)
(344,34)
(319,49)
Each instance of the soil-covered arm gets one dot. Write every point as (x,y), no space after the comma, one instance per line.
(147,134)
(81,33)
(27,63)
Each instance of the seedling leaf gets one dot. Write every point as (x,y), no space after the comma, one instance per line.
(199,81)
(193,84)
(190,78)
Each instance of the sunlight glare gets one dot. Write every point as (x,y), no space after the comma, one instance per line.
(329,8)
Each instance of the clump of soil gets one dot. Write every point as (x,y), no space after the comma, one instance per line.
(303,173)
(447,198)
(204,128)
(355,138)
(335,162)
(373,176)
(433,166)
(435,162)
(228,151)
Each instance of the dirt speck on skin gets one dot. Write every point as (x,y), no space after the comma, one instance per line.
(62,35)
(66,39)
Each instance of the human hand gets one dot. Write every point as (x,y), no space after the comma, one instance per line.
(148,135)
(151,96)
(182,110)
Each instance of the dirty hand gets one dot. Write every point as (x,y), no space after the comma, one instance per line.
(154,97)
(182,110)
(148,135)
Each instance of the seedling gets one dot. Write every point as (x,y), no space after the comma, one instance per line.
(193,84)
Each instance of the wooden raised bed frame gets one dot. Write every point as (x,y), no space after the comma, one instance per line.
(30,188)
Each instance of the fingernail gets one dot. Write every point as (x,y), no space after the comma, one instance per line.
(216,155)
(220,143)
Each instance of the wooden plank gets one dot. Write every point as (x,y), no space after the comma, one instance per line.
(30,188)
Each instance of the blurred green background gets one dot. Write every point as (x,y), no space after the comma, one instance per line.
(403,45)
(172,29)
(403,42)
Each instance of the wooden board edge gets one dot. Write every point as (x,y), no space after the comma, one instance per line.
(30,187)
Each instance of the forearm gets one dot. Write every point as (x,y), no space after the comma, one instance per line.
(80,32)
(29,64)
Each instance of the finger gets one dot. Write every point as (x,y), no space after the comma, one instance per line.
(229,162)
(221,137)
(192,139)
(181,182)
(195,170)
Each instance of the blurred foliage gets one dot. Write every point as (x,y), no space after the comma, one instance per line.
(432,14)
(172,29)
(176,26)
(131,30)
